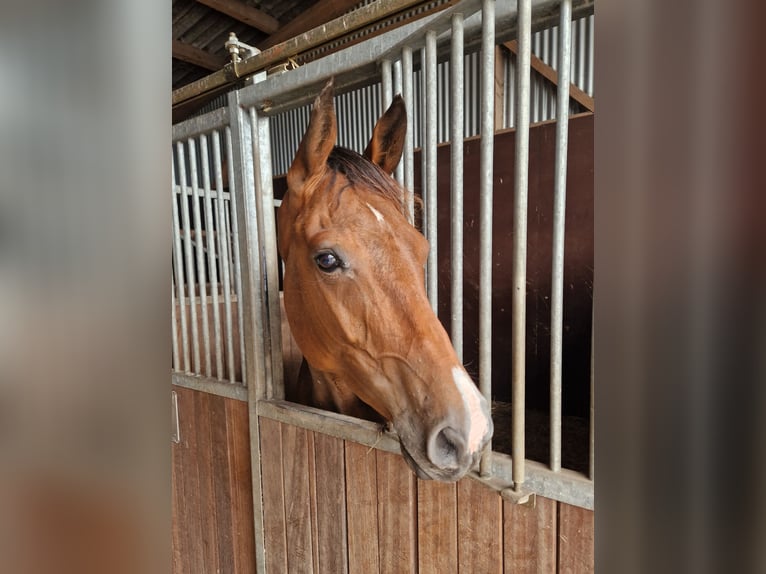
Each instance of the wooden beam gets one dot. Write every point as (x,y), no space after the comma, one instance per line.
(201,58)
(552,76)
(244,13)
(321,12)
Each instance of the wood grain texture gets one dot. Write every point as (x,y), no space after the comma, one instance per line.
(575,538)
(361,509)
(240,486)
(529,537)
(480,528)
(212,501)
(397,514)
(332,530)
(273,496)
(295,461)
(437,527)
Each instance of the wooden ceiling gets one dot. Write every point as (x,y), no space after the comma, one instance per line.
(201,27)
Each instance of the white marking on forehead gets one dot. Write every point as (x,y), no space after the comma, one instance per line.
(378,215)
(472,399)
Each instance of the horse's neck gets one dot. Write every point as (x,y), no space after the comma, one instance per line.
(330,393)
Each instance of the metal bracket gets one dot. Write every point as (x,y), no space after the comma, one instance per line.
(175,427)
(520,497)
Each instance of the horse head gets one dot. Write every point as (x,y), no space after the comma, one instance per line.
(355,298)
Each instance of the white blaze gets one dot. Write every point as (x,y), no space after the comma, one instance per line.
(378,215)
(472,399)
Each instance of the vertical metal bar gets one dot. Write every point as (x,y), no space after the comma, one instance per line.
(457,63)
(189,258)
(174,332)
(485,209)
(386,84)
(234,191)
(178,261)
(399,172)
(559,212)
(199,243)
(267,233)
(429,146)
(409,161)
(224,257)
(521,187)
(242,148)
(211,236)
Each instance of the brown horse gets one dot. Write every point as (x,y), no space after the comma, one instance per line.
(356,303)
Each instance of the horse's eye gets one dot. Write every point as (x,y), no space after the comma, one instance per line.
(328,261)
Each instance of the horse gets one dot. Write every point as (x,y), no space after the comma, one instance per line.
(355,300)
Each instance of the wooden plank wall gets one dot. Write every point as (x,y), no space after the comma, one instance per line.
(212,502)
(335,506)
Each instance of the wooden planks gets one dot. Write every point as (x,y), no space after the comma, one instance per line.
(530,537)
(480,528)
(362,508)
(576,554)
(437,527)
(397,514)
(212,494)
(337,506)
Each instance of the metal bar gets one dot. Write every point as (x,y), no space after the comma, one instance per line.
(212,236)
(250,275)
(521,187)
(387,83)
(457,65)
(174,332)
(430,187)
(180,281)
(201,124)
(409,161)
(189,259)
(187,191)
(235,250)
(267,233)
(399,172)
(200,252)
(559,212)
(224,257)
(485,210)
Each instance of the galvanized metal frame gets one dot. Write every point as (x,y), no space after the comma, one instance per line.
(389,58)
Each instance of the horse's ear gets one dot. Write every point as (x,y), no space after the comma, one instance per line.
(317,142)
(385,147)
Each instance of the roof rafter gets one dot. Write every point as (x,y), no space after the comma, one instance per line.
(320,13)
(193,55)
(244,13)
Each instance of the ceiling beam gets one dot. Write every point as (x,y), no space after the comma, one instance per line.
(192,55)
(244,13)
(320,13)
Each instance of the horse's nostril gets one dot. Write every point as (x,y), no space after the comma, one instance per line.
(446,449)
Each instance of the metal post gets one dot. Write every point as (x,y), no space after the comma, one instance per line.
(485,209)
(386,84)
(267,234)
(408,156)
(189,259)
(399,172)
(179,275)
(521,185)
(456,186)
(212,257)
(252,287)
(200,252)
(559,212)
(223,250)
(237,260)
(430,187)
